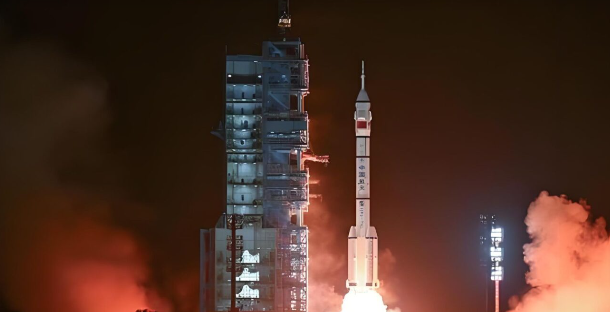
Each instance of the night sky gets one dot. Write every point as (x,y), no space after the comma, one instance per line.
(478,107)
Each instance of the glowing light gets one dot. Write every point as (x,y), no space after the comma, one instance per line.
(496,252)
(248,292)
(497,234)
(249,258)
(367,301)
(247,276)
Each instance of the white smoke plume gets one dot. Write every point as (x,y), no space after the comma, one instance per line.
(569,258)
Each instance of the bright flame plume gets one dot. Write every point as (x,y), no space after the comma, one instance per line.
(367,301)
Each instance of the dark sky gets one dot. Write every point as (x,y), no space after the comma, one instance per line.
(477,107)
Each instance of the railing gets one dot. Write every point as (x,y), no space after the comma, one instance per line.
(248,111)
(295,82)
(287,141)
(245,159)
(253,123)
(245,79)
(300,180)
(292,182)
(289,115)
(245,182)
(285,169)
(248,134)
(247,144)
(288,195)
(257,99)
(257,202)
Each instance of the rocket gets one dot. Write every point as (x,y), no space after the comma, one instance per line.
(362,243)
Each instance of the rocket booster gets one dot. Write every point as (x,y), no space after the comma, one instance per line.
(363,257)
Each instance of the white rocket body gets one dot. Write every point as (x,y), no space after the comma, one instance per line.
(363,256)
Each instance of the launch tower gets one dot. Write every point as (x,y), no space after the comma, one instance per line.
(267,184)
(255,259)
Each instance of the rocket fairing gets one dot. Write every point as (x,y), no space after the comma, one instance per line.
(362,241)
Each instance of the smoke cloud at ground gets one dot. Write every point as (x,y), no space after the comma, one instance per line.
(68,257)
(62,248)
(569,258)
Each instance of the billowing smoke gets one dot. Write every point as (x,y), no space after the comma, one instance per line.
(390,284)
(61,249)
(324,266)
(68,257)
(569,258)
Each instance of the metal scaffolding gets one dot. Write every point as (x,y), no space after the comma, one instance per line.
(260,246)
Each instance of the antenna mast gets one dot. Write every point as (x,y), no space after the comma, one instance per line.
(283,24)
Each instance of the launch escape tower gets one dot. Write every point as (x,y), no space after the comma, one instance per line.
(256,258)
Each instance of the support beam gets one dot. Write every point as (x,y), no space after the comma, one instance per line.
(497,296)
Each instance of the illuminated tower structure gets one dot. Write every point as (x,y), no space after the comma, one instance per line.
(491,238)
(496,256)
(255,259)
